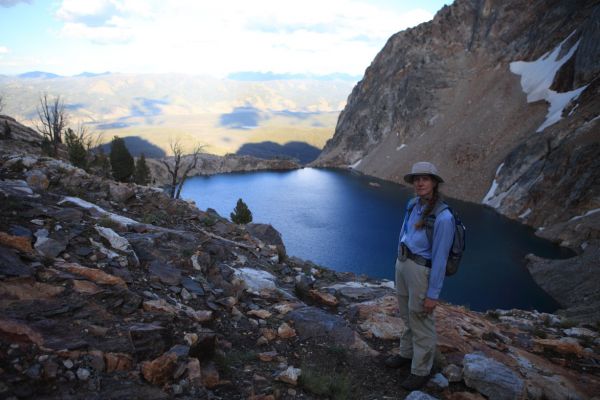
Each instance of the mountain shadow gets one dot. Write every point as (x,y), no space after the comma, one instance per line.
(301,151)
(246,117)
(136,146)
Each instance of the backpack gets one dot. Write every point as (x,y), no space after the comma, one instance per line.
(458,243)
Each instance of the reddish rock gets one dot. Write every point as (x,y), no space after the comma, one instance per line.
(323,298)
(93,274)
(19,332)
(210,375)
(566,347)
(160,370)
(20,243)
(194,373)
(285,331)
(262,314)
(268,333)
(267,356)
(28,289)
(118,362)
(85,287)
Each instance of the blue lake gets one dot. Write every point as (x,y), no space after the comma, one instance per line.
(348,222)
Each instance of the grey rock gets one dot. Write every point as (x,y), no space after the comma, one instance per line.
(17,230)
(165,273)
(418,395)
(120,192)
(12,265)
(148,340)
(493,379)
(453,373)
(83,374)
(37,180)
(440,381)
(269,235)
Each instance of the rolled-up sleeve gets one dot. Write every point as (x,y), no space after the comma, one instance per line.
(443,235)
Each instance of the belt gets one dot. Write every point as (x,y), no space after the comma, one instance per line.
(415,257)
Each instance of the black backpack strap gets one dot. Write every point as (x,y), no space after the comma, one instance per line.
(430,220)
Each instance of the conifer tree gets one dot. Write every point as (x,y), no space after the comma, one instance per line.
(76,149)
(121,160)
(241,213)
(141,176)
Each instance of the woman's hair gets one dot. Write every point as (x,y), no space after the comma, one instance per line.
(430,205)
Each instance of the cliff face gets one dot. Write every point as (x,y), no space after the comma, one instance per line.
(457,92)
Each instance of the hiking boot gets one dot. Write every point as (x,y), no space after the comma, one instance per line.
(414,382)
(397,361)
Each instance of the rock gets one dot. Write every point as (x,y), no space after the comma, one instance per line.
(418,395)
(453,373)
(290,375)
(28,289)
(194,373)
(285,331)
(210,375)
(93,274)
(12,265)
(37,180)
(120,192)
(160,370)
(49,369)
(204,345)
(85,287)
(118,362)
(581,333)
(83,374)
(267,356)
(19,332)
(262,314)
(324,298)
(47,246)
(562,346)
(269,235)
(192,286)
(20,243)
(491,378)
(164,273)
(440,381)
(256,280)
(148,340)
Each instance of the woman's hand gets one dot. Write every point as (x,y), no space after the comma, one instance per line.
(429,305)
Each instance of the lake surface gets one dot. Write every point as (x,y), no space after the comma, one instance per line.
(348,222)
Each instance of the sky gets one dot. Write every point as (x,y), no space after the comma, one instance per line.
(204,37)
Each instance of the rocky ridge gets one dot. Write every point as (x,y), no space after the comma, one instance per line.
(503,96)
(112,290)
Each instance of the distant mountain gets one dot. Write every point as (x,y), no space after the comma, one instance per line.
(303,152)
(39,75)
(136,146)
(91,74)
(271,76)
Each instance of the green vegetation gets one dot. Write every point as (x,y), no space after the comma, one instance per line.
(121,160)
(328,383)
(241,213)
(76,149)
(141,175)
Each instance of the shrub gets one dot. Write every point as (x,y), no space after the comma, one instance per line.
(76,149)
(241,213)
(141,176)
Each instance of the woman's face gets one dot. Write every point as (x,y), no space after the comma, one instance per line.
(424,185)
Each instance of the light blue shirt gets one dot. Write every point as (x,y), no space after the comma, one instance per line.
(416,240)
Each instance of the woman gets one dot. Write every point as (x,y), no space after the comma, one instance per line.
(420,270)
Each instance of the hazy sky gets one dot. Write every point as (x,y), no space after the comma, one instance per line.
(213,37)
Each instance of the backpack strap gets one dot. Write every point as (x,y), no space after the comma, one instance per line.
(430,220)
(409,207)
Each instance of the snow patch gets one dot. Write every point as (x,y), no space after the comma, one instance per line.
(384,283)
(537,77)
(400,147)
(525,214)
(356,164)
(487,199)
(590,212)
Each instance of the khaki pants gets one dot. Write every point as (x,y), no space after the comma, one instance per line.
(418,341)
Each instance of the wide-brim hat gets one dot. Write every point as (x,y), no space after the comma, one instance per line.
(423,168)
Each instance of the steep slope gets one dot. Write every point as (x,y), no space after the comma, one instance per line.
(444,91)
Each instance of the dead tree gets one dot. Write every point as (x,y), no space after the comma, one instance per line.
(53,119)
(1,103)
(181,167)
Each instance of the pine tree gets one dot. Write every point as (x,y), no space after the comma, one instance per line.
(121,160)
(76,149)
(141,176)
(241,213)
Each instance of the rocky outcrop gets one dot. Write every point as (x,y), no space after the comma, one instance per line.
(149,297)
(210,164)
(503,96)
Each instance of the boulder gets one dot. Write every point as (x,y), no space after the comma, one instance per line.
(120,192)
(493,379)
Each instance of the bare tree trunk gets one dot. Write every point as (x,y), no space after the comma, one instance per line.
(53,119)
(179,160)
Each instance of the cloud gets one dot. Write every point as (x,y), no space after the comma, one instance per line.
(3,50)
(102,35)
(10,3)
